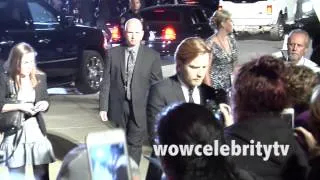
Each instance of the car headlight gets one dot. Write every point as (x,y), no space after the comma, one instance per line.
(307,6)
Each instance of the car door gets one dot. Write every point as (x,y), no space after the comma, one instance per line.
(56,47)
(14,28)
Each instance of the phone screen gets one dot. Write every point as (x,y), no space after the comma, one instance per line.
(288,116)
(108,160)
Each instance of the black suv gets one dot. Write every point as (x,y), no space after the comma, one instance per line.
(168,25)
(66,52)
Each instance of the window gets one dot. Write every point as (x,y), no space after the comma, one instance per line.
(199,16)
(10,16)
(40,14)
(161,15)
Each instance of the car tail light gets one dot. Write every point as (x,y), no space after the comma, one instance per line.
(269,9)
(168,33)
(105,39)
(115,33)
(190,2)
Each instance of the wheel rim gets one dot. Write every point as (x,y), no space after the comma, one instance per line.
(94,72)
(281,30)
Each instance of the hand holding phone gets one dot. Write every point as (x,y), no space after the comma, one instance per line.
(108,155)
(288,115)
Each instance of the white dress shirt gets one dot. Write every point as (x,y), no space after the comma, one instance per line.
(309,64)
(185,90)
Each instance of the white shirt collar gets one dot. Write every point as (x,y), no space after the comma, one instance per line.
(309,64)
(134,48)
(185,90)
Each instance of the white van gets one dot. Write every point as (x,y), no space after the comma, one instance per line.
(258,16)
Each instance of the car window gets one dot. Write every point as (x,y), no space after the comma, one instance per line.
(161,15)
(10,17)
(42,17)
(199,16)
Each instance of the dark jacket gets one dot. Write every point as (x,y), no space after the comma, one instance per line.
(168,91)
(147,71)
(40,91)
(315,170)
(165,93)
(267,129)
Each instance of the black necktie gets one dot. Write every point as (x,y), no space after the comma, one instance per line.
(130,68)
(190,95)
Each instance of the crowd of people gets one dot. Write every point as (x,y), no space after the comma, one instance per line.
(252,98)
(210,98)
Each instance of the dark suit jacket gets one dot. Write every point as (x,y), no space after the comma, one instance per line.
(147,71)
(40,90)
(169,91)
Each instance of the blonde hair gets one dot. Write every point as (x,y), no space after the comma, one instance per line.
(301,81)
(13,63)
(219,17)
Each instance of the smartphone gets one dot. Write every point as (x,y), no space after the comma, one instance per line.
(108,155)
(288,115)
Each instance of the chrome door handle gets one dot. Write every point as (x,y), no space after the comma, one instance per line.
(46,41)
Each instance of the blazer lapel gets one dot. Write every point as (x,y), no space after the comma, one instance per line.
(138,64)
(176,85)
(202,95)
(123,62)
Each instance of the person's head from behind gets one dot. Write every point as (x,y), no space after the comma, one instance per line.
(135,5)
(22,63)
(191,124)
(221,19)
(298,43)
(133,32)
(315,106)
(75,166)
(192,60)
(300,81)
(260,87)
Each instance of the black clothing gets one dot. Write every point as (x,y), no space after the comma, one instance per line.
(267,129)
(41,95)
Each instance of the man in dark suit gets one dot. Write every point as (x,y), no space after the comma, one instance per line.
(192,58)
(133,12)
(129,72)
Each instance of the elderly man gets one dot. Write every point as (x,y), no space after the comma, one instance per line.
(298,43)
(129,72)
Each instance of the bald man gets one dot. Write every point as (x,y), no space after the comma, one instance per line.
(129,72)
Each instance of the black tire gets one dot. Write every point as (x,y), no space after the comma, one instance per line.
(91,72)
(277,31)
